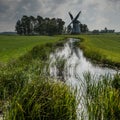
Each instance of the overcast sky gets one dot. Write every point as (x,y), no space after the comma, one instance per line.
(97,14)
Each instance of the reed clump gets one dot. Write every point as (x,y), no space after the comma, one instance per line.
(28,94)
(102,98)
(43,100)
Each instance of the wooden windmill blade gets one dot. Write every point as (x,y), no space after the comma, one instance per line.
(77,16)
(71,16)
(74,19)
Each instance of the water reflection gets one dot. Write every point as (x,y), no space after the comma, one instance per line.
(69,63)
(75,62)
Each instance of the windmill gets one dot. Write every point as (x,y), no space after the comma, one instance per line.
(76,24)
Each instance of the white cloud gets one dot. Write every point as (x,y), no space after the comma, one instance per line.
(97,14)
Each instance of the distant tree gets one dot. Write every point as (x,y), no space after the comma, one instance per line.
(83,28)
(43,26)
(105,30)
(33,22)
(60,25)
(37,26)
(47,23)
(52,27)
(25,23)
(18,27)
(40,19)
(95,31)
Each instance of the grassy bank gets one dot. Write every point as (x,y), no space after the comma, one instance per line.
(43,100)
(12,47)
(26,91)
(102,97)
(103,49)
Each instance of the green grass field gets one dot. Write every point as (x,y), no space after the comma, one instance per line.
(107,44)
(104,46)
(12,47)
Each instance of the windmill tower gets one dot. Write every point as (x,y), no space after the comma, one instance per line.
(75,23)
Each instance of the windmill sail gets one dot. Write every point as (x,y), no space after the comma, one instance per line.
(77,16)
(71,16)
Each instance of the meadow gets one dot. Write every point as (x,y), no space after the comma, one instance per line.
(12,47)
(26,90)
(103,48)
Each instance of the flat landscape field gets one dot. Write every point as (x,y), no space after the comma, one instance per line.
(12,47)
(106,45)
(99,47)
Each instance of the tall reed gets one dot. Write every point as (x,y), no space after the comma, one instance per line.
(102,98)
(26,92)
(43,100)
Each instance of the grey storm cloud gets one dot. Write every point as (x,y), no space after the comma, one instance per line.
(97,14)
(10,9)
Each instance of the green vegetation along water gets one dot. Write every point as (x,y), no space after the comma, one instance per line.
(103,49)
(69,64)
(12,47)
(27,92)
(20,76)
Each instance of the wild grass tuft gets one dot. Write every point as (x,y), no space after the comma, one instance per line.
(43,100)
(102,98)
(26,92)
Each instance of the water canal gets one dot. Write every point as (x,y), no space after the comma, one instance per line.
(69,64)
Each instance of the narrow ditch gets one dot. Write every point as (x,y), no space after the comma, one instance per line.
(69,64)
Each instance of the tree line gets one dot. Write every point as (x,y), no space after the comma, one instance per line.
(83,28)
(105,30)
(29,25)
